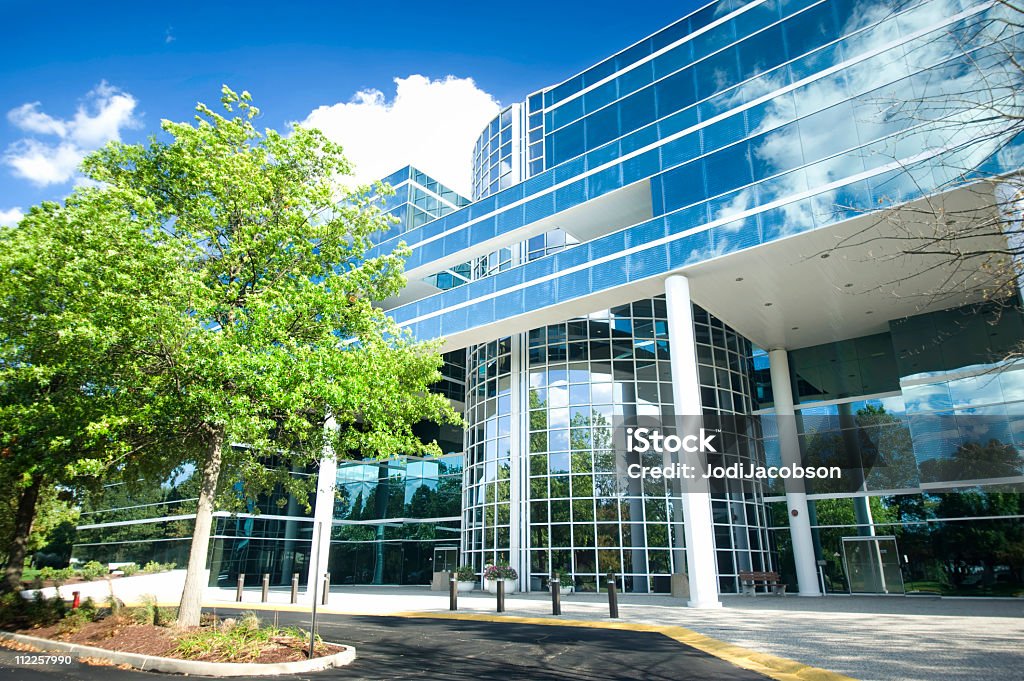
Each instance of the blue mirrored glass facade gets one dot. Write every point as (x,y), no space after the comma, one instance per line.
(736,147)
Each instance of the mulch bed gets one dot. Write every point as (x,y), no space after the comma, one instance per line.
(115,633)
(123,635)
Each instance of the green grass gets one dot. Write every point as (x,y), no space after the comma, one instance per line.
(241,642)
(938,588)
(924,586)
(29,574)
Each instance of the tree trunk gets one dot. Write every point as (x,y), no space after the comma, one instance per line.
(195,576)
(23,519)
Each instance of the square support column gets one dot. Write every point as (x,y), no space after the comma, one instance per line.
(696,496)
(796,497)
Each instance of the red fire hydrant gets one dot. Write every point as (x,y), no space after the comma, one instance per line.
(77,600)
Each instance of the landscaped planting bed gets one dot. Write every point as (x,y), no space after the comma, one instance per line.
(150,630)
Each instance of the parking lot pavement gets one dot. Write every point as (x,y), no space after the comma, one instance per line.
(442,649)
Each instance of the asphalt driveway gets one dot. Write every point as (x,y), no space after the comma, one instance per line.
(395,648)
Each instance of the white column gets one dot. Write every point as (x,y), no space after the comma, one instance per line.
(519,508)
(796,497)
(696,497)
(323,514)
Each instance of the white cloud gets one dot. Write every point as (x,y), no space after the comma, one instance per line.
(9,218)
(431,124)
(100,118)
(29,118)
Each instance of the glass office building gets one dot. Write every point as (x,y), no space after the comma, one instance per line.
(701,224)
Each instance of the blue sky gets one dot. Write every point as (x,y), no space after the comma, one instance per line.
(74,75)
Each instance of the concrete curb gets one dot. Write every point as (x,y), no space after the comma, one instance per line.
(188,667)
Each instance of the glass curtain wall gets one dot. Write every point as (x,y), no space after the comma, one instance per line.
(584,515)
(389,516)
(927,422)
(140,523)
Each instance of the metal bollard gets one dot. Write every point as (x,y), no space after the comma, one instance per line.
(453,592)
(501,595)
(556,596)
(266,588)
(241,585)
(295,587)
(613,597)
(327,587)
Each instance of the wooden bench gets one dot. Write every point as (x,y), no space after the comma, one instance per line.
(750,581)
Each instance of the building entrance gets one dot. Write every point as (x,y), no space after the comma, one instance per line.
(872,565)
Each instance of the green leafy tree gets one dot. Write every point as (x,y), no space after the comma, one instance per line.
(996,540)
(67,300)
(256,347)
(53,528)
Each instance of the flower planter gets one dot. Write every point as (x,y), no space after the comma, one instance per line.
(492,586)
(565,590)
(465,586)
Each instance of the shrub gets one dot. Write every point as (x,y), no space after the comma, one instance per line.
(90,610)
(153,566)
(151,613)
(250,621)
(166,617)
(239,643)
(465,573)
(73,621)
(500,571)
(44,611)
(14,610)
(148,612)
(55,575)
(93,570)
(17,612)
(129,569)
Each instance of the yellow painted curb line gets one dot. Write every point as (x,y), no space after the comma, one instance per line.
(778,668)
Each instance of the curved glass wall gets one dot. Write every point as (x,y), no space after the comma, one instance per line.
(556,497)
(496,155)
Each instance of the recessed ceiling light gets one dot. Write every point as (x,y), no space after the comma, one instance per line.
(767,304)
(847,285)
(869,312)
(795,328)
(739,278)
(824,256)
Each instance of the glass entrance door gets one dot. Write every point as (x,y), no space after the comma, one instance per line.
(872,565)
(446,558)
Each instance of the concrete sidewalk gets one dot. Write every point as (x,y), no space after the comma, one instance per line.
(164,586)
